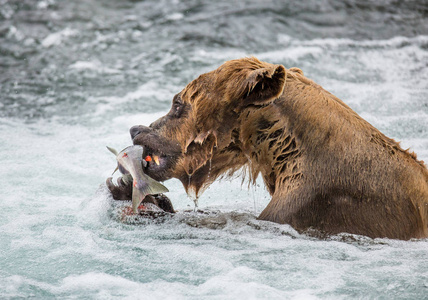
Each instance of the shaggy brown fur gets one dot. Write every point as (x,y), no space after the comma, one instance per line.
(325,167)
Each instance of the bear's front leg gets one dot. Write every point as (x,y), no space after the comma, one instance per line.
(121,191)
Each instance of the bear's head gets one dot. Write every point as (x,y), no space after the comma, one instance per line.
(199,139)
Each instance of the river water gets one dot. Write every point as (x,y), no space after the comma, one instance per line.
(76,75)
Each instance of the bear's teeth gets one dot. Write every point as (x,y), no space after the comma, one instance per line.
(156,159)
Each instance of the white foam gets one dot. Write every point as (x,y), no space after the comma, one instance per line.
(175,16)
(56,38)
(95,281)
(137,119)
(94,66)
(387,43)
(294,53)
(15,33)
(149,90)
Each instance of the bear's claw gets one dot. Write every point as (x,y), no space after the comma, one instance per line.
(121,191)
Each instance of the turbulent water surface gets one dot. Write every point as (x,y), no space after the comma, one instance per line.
(76,75)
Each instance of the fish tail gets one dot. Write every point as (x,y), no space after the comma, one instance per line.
(137,198)
(152,187)
(143,187)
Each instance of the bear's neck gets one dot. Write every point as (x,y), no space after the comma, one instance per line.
(271,147)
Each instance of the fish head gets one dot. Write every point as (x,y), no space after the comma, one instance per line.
(130,161)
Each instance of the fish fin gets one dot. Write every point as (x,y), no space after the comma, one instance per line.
(152,187)
(117,168)
(137,198)
(112,150)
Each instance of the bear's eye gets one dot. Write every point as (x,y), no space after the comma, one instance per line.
(177,106)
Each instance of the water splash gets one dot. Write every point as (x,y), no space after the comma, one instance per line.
(253,192)
(196,201)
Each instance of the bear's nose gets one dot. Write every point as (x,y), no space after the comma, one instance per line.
(134,131)
(137,129)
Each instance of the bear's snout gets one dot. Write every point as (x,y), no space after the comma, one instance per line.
(137,129)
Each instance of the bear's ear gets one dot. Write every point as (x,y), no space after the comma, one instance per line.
(262,85)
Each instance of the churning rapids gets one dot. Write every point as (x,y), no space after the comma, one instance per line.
(76,75)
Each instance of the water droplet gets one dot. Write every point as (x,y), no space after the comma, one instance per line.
(195,200)
(210,167)
(192,194)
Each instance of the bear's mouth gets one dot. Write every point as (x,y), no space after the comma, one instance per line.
(154,159)
(160,153)
(158,164)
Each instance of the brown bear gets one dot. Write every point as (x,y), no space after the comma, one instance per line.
(325,167)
